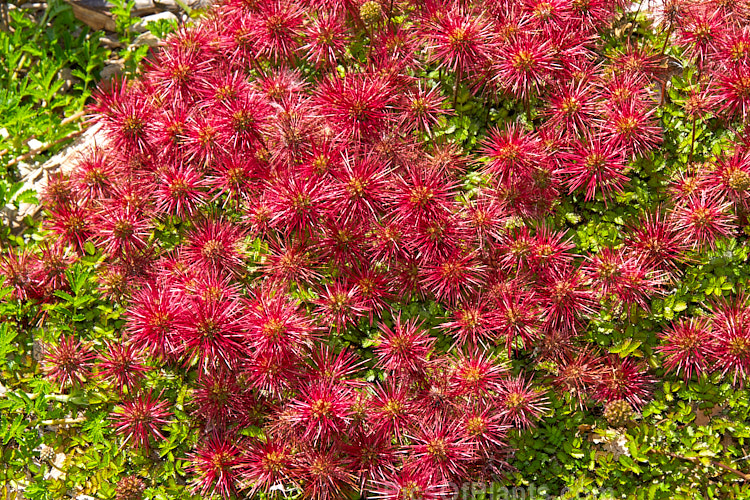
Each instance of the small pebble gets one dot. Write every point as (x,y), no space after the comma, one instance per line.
(144,6)
(25,170)
(66,76)
(110,42)
(111,70)
(146,38)
(168,5)
(140,26)
(33,6)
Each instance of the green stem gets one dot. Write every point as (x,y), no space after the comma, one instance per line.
(527,107)
(58,421)
(459,74)
(21,62)
(188,10)
(697,461)
(692,134)
(692,141)
(60,398)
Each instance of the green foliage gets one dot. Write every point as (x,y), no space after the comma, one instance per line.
(75,425)
(35,56)
(85,458)
(36,59)
(122,10)
(162,27)
(12,195)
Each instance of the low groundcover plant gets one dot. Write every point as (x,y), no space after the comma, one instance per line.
(359,232)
